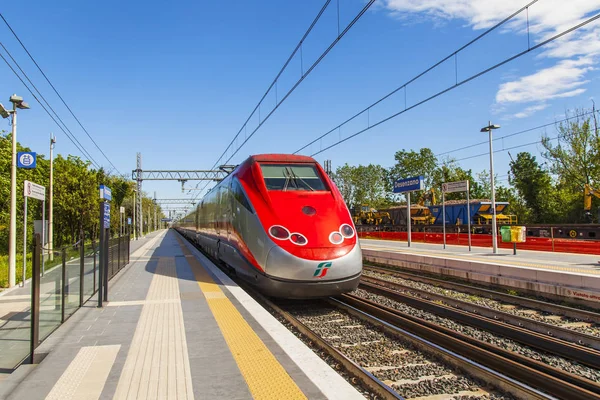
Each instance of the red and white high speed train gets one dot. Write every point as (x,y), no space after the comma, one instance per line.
(282,225)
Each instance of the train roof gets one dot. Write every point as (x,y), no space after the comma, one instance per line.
(280,157)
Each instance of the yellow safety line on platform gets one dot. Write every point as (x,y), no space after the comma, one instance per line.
(265,376)
(483,260)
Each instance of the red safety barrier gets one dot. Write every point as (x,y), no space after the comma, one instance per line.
(480,240)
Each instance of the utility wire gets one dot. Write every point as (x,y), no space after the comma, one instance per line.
(80,147)
(472,77)
(304,75)
(72,139)
(516,133)
(57,93)
(448,57)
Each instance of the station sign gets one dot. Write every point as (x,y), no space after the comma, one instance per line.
(128,221)
(408,185)
(458,186)
(34,190)
(166,219)
(105,193)
(106,215)
(26,159)
(122,210)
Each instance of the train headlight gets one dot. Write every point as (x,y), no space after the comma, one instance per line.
(279,232)
(336,238)
(347,231)
(298,238)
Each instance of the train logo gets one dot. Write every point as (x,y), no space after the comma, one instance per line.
(322,269)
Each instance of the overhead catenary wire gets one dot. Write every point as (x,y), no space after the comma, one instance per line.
(457,84)
(403,86)
(78,145)
(515,133)
(274,83)
(57,93)
(72,139)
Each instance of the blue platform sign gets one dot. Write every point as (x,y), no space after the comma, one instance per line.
(26,159)
(128,221)
(105,193)
(106,215)
(166,219)
(408,184)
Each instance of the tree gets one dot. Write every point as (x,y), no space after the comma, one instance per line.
(76,198)
(411,163)
(363,184)
(534,185)
(343,179)
(575,159)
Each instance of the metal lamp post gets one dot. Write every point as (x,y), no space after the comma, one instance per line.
(135,233)
(489,128)
(50,206)
(12,241)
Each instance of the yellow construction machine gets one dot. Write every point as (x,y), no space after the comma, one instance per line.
(366,215)
(588,192)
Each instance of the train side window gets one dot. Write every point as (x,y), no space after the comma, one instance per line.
(239,195)
(592,234)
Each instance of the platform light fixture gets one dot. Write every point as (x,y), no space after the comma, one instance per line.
(12,239)
(489,128)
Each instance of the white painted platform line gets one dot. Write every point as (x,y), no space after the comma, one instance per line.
(329,382)
(85,377)
(157,365)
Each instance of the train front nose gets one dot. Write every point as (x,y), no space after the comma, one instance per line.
(290,276)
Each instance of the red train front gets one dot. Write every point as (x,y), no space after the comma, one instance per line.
(282,225)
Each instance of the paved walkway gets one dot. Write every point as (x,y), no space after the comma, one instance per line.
(176,327)
(565,262)
(15,304)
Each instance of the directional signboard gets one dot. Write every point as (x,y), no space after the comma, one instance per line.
(105,193)
(106,215)
(167,219)
(34,190)
(26,159)
(458,186)
(408,184)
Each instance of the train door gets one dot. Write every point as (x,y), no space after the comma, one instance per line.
(229,210)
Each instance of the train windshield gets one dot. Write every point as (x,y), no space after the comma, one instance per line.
(292,177)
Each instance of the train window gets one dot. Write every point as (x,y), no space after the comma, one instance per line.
(292,177)
(592,234)
(238,193)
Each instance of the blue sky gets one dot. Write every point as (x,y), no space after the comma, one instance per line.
(176,82)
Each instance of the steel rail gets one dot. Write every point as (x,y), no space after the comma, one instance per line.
(535,373)
(559,347)
(543,328)
(382,390)
(588,316)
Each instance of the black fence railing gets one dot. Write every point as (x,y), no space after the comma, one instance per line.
(66,286)
(118,254)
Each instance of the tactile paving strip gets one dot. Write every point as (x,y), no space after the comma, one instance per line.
(265,376)
(157,365)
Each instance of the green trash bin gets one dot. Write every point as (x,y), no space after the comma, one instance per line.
(505,233)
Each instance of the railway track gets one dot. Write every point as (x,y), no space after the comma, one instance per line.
(388,361)
(572,324)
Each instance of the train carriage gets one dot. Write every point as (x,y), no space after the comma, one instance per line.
(282,225)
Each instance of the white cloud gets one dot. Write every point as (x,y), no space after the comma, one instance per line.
(561,80)
(530,110)
(576,53)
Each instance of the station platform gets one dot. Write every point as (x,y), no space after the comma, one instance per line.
(560,276)
(552,261)
(175,327)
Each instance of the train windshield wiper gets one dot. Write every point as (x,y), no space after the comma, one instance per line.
(287,179)
(297,178)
